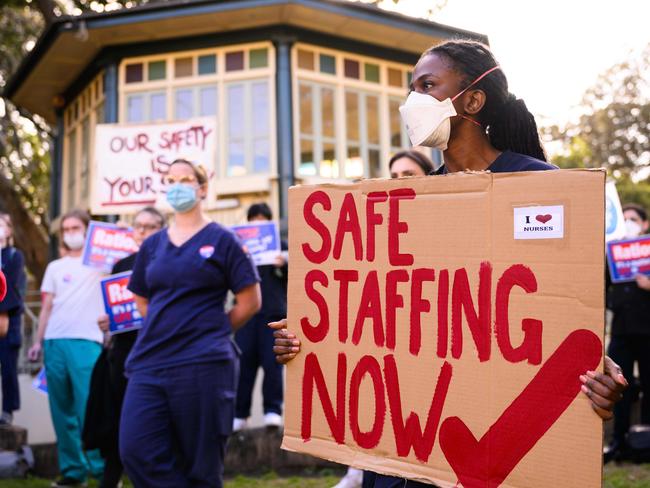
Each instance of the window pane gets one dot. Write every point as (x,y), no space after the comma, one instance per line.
(85,145)
(157,70)
(374,163)
(236,152)
(306,59)
(208,100)
(235,112)
(260,109)
(72,167)
(372,118)
(306,101)
(395,77)
(235,61)
(395,123)
(134,73)
(207,64)
(99,113)
(184,105)
(327,108)
(182,67)
(354,163)
(258,58)
(329,166)
(236,164)
(372,72)
(135,108)
(261,156)
(352,115)
(327,64)
(351,69)
(409,78)
(158,107)
(307,165)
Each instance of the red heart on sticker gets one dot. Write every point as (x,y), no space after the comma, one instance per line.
(486,463)
(544,218)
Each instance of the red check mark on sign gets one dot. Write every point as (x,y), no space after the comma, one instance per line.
(486,463)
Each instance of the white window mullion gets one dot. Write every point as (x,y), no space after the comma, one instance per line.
(317,121)
(363,133)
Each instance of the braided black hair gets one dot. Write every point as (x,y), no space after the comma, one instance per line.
(509,124)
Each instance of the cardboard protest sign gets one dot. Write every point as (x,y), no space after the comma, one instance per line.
(106,244)
(262,241)
(123,315)
(131,160)
(628,258)
(614,220)
(444,324)
(39,383)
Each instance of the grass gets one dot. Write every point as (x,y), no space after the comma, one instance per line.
(616,476)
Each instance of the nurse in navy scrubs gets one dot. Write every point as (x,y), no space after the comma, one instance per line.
(460,103)
(183,369)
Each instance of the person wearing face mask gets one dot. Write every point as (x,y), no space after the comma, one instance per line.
(630,337)
(460,103)
(70,342)
(183,369)
(108,383)
(13,266)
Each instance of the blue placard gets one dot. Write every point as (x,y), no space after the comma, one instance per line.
(628,258)
(123,315)
(261,240)
(106,244)
(40,381)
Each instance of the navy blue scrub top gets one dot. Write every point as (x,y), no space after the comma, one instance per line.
(13,266)
(186,287)
(510,162)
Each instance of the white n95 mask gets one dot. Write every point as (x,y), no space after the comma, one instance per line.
(427,120)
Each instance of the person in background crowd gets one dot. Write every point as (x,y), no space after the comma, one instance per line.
(183,369)
(409,163)
(11,310)
(401,165)
(105,401)
(71,342)
(630,337)
(460,104)
(255,339)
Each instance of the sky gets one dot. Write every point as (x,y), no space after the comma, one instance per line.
(553,50)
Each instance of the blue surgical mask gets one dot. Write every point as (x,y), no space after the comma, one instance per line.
(182,197)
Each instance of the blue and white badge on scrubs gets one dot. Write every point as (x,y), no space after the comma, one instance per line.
(206,251)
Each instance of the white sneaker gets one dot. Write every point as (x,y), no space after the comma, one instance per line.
(239,424)
(272,419)
(352,479)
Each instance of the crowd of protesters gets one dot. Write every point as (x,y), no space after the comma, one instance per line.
(160,403)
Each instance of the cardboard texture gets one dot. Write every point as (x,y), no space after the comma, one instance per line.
(439,341)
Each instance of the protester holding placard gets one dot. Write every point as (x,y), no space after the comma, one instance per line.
(630,336)
(460,103)
(11,310)
(105,401)
(255,339)
(71,342)
(179,405)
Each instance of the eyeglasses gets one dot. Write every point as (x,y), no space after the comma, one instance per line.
(171,180)
(145,227)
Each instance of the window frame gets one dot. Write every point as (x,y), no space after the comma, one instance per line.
(77,181)
(249,182)
(340,83)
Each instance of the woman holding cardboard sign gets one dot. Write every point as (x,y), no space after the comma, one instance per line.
(460,103)
(179,405)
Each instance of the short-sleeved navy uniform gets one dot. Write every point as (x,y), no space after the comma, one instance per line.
(506,162)
(183,368)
